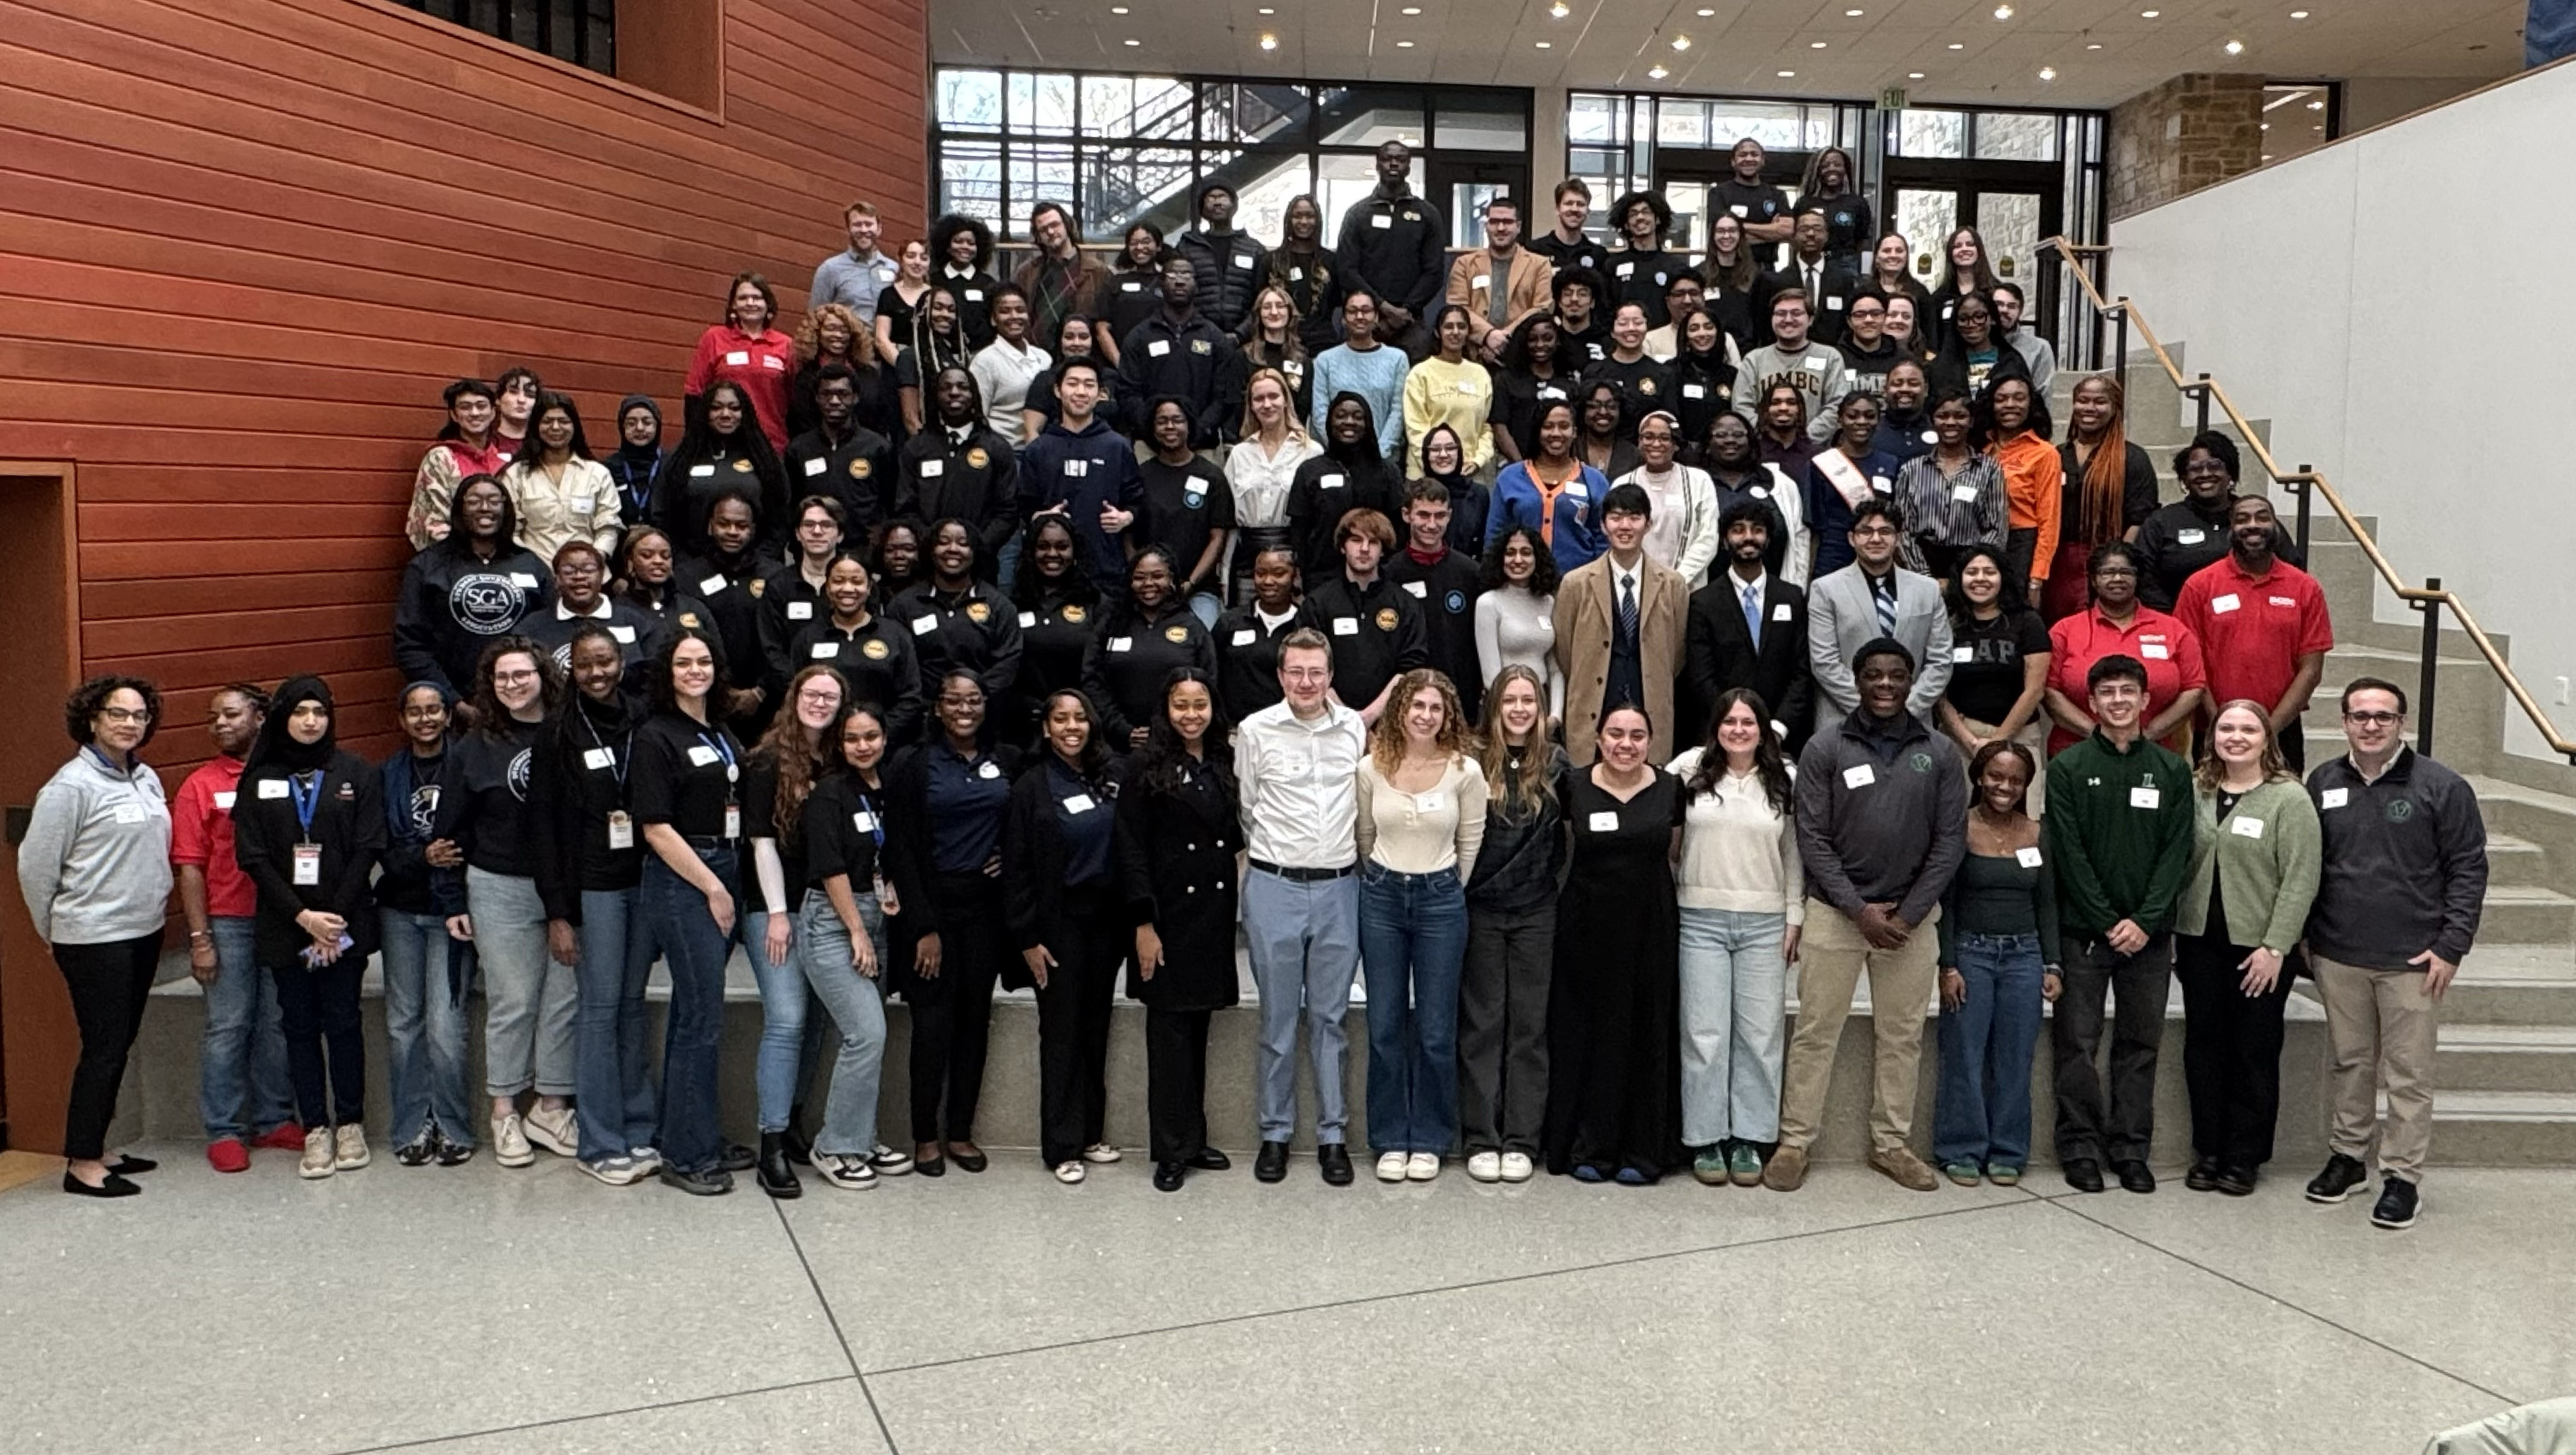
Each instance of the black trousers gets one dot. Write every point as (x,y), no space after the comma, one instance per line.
(326,1043)
(1073,1027)
(110,983)
(2231,1051)
(952,1017)
(1176,1081)
(1502,1027)
(2110,1120)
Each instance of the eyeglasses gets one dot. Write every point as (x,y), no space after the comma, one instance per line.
(126,714)
(2374,719)
(2115,573)
(499,677)
(811,694)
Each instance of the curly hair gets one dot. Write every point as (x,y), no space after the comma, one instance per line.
(489,715)
(1387,739)
(2006,747)
(863,339)
(90,697)
(783,749)
(1543,572)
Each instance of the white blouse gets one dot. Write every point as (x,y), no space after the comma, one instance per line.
(1260,479)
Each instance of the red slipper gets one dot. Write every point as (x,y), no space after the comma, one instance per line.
(288,1138)
(228,1155)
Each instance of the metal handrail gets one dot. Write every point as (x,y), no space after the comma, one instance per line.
(2430,597)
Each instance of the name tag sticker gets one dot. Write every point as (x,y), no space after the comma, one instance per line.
(1028,619)
(2191,537)
(2027,858)
(2146,797)
(1626,270)
(1343,626)
(738,356)
(1382,220)
(825,651)
(1965,493)
(1782,612)
(1077,469)
(1963,655)
(1740,210)
(864,821)
(1931,437)
(1243,261)
(1833,305)
(1296,275)
(1605,823)
(2245,828)
(1079,803)
(2334,798)
(1694,391)
(933,469)
(2225,603)
(226,800)
(923,626)
(711,585)
(1244,636)
(1818,362)
(1418,590)
(703,756)
(800,611)
(1122,644)
(1131,286)
(598,758)
(272,788)
(1426,802)
(2155,651)
(988,770)
(582,501)
(974,295)
(1331,482)
(524,580)
(1859,775)
(1482,280)
(1158,348)
(129,813)
(815,467)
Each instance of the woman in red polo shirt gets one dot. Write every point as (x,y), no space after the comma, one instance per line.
(746,350)
(2117,622)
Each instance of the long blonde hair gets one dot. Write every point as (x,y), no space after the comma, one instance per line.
(1251,429)
(1387,740)
(1518,791)
(2212,772)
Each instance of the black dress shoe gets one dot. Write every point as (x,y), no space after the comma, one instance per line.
(738,1158)
(113,1186)
(2084,1175)
(930,1166)
(1335,1163)
(1209,1159)
(2134,1176)
(777,1174)
(2203,1176)
(1168,1175)
(968,1161)
(1270,1164)
(2235,1181)
(132,1166)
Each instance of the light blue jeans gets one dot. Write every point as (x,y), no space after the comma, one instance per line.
(427,974)
(529,1001)
(1733,1007)
(791,1037)
(857,1006)
(1207,608)
(610,1069)
(1304,939)
(242,1088)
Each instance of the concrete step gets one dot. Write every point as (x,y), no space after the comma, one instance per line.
(2528,915)
(2535,814)
(2515,985)
(2518,863)
(2506,1058)
(2504,1128)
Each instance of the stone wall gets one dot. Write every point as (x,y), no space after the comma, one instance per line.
(2186,134)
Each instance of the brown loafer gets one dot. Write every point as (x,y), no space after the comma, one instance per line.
(1905,1169)
(1787,1169)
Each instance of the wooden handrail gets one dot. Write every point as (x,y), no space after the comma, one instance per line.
(2429,599)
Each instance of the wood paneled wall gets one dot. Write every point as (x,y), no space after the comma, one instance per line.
(243,247)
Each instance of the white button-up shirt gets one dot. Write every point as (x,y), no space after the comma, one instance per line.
(1298,777)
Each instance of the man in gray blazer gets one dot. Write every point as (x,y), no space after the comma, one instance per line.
(1870,598)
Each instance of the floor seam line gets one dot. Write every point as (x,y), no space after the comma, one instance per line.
(832,1316)
(1446,1288)
(641,1409)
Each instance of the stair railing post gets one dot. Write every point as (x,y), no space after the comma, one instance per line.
(2201,392)
(2120,355)
(2426,682)
(2302,486)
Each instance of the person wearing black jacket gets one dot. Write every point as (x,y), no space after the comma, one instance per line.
(1376,628)
(1535,371)
(308,826)
(2110,490)
(722,449)
(466,589)
(792,595)
(1703,379)
(947,800)
(1305,266)
(529,999)
(1748,628)
(2192,533)
(1059,618)
(1511,933)
(581,598)
(1904,423)
(1391,246)
(427,970)
(1974,358)
(1068,918)
(728,578)
(1134,288)
(958,468)
(1177,836)
(1176,351)
(1080,468)
(875,655)
(1640,269)
(642,576)
(588,862)
(841,943)
(1828,281)
(843,460)
(1248,636)
(1444,584)
(638,456)
(1349,475)
(1229,265)
(1140,643)
(958,621)
(963,249)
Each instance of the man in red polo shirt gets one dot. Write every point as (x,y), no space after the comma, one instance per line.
(2263,626)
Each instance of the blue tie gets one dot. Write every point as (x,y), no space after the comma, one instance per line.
(1753,614)
(1883,594)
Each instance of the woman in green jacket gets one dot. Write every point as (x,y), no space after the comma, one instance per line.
(2255,854)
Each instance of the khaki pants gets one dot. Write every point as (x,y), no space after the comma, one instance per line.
(2382,1026)
(2034,737)
(1831,956)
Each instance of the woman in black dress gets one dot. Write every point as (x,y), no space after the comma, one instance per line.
(1177,837)
(1614,1005)
(1140,643)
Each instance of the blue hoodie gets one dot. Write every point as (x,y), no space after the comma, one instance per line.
(1080,471)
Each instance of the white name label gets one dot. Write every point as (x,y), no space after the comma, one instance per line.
(2027,858)
(598,758)
(702,755)
(2245,828)
(1606,822)
(923,626)
(2334,798)
(1859,775)
(1122,644)
(1244,636)
(815,467)
(933,469)
(800,611)
(2227,603)
(1418,590)
(1158,348)
(2146,797)
(1346,626)
(711,585)
(272,788)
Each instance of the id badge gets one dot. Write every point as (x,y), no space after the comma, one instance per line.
(621,830)
(308,865)
(885,896)
(733,821)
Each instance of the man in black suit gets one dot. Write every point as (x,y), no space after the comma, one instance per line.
(1829,283)
(1748,628)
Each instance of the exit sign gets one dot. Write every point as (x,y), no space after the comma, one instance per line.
(1892,99)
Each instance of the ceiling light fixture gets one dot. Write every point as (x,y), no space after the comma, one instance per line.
(1681,42)
(2003,12)
(2149,14)
(1958,45)
(2298,15)
(1784,75)
(1657,72)
(2048,73)
(1560,9)
(1914,75)
(1269,42)
(2235,47)
(1853,14)
(1815,45)
(1117,9)
(1132,41)
(1704,12)
(1404,45)
(2095,46)
(1543,45)
(1413,10)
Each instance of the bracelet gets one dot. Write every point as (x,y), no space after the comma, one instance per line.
(200,937)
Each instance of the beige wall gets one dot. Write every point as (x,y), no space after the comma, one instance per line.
(2190,132)
(2370,100)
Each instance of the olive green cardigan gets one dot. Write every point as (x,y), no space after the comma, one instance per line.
(2266,857)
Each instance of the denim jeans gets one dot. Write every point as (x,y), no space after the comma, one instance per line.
(529,1001)
(857,1007)
(242,1088)
(1303,936)
(1413,942)
(326,1045)
(791,1038)
(426,976)
(1734,1008)
(1983,1113)
(1207,607)
(610,1071)
(696,951)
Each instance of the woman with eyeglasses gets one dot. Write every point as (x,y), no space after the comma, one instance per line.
(94,868)
(874,655)
(1974,358)
(464,590)
(2117,621)
(748,352)
(778,774)
(842,946)
(948,799)
(582,599)
(2180,539)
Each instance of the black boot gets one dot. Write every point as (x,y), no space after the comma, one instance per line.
(777,1175)
(800,1147)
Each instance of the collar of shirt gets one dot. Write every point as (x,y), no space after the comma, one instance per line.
(951,270)
(605,609)
(1761,585)
(1420,559)
(1273,623)
(1625,577)
(960,436)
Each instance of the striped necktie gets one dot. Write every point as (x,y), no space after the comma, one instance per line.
(1882,593)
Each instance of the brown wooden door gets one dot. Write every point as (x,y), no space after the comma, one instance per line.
(39,596)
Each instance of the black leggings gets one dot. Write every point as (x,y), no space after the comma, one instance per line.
(326,1046)
(952,1015)
(110,983)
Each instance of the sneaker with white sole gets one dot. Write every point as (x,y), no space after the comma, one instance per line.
(510,1141)
(321,1158)
(1390,1167)
(1421,1167)
(1485,1166)
(1069,1173)
(616,1170)
(558,1131)
(890,1161)
(647,1161)
(1101,1152)
(853,1173)
(1517,1167)
(349,1148)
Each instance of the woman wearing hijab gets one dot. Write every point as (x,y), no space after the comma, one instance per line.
(1349,475)
(308,827)
(1444,459)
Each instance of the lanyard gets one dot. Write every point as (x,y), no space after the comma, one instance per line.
(616,756)
(723,749)
(305,802)
(876,816)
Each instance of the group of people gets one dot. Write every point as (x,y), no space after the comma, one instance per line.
(1471,642)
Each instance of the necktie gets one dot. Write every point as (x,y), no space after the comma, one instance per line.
(1628,607)
(1815,293)
(1753,614)
(1883,593)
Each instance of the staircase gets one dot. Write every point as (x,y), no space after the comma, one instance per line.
(2505,1080)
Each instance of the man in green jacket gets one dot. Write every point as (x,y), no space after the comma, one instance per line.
(2119,831)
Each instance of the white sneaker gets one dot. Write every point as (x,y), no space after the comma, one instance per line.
(510,1141)
(1421,1167)
(853,1173)
(1486,1166)
(647,1161)
(1516,1167)
(616,1171)
(350,1150)
(1101,1152)
(557,1131)
(889,1161)
(1069,1173)
(321,1159)
(1390,1167)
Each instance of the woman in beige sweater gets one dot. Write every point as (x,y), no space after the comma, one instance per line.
(1421,819)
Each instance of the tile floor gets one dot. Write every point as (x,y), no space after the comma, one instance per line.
(485,1312)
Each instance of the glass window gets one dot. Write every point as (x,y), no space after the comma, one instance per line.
(970,180)
(971,100)
(2009,222)
(1039,173)
(1154,107)
(1681,123)
(1595,119)
(1125,185)
(2016,136)
(1778,128)
(1042,105)
(1263,185)
(1927,218)
(1932,134)
(1478,127)
(1368,116)
(1251,111)
(1343,180)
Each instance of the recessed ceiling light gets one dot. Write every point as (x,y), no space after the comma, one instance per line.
(2149,14)
(1543,45)
(1135,42)
(1681,42)
(1560,9)
(1854,14)
(2236,47)
(1117,9)
(1413,10)
(1914,75)
(2048,73)
(1958,45)
(1404,45)
(1269,42)
(1657,72)
(1704,12)
(1784,75)
(1815,45)
(2003,12)
(2298,15)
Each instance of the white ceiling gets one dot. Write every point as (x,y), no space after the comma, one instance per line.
(1739,47)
